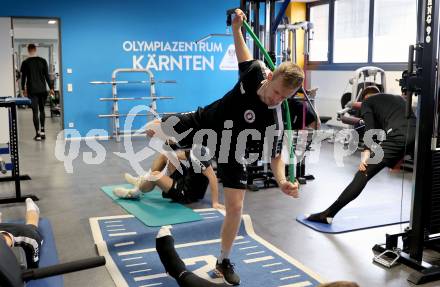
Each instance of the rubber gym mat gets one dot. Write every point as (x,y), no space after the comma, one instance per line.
(48,256)
(152,209)
(365,217)
(132,259)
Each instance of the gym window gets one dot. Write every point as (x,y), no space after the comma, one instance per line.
(319,15)
(395,29)
(349,34)
(351,30)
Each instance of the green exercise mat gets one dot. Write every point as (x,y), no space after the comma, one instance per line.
(152,209)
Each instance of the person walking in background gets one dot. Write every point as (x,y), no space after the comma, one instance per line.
(34,76)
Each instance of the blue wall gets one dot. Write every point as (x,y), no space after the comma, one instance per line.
(92,38)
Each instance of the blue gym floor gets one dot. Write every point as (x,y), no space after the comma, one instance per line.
(131,250)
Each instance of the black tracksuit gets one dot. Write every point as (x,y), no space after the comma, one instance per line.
(385,112)
(34,76)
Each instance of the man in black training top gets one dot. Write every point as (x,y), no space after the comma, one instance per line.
(254,103)
(385,112)
(34,76)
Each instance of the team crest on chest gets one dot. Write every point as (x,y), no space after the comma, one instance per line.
(249,116)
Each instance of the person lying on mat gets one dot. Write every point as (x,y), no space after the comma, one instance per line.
(378,111)
(25,235)
(176,268)
(189,186)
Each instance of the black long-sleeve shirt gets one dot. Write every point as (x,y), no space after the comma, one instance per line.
(35,75)
(387,112)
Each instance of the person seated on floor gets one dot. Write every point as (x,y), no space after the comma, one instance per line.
(176,268)
(26,236)
(388,113)
(187,187)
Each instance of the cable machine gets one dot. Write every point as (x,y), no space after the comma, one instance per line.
(422,78)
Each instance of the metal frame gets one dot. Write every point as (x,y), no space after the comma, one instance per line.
(364,73)
(115,115)
(288,31)
(424,81)
(13,150)
(266,36)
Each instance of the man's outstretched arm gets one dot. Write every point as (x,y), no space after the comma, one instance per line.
(241,50)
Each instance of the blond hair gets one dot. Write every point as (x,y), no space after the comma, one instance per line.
(292,75)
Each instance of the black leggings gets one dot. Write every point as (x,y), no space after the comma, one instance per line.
(352,191)
(175,266)
(394,150)
(38,101)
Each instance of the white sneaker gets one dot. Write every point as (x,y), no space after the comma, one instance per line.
(121,192)
(131,179)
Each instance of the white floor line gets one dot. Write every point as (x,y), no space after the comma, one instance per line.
(241,242)
(114,225)
(249,247)
(122,234)
(150,277)
(289,277)
(123,244)
(272,264)
(138,271)
(118,229)
(131,258)
(259,259)
(150,285)
(281,270)
(136,264)
(253,253)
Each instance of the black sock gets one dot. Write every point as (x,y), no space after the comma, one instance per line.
(320,217)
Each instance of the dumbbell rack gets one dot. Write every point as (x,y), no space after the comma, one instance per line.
(116,115)
(13,151)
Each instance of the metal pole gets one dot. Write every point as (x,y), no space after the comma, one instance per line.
(256,26)
(422,175)
(272,35)
(267,26)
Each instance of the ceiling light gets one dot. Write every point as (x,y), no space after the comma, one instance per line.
(52,22)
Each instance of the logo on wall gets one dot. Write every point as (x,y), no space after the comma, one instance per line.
(175,55)
(249,116)
(229,61)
